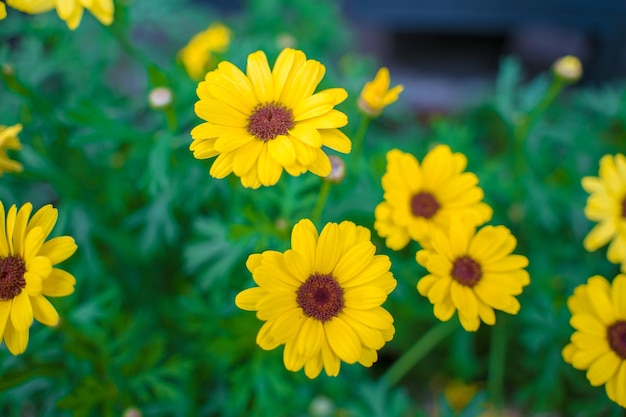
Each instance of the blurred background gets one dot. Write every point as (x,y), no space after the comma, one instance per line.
(447,52)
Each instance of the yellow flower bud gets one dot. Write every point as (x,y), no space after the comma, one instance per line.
(376,94)
(568,68)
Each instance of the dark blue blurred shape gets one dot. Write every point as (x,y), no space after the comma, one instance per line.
(603,22)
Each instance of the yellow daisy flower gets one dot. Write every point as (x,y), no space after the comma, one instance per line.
(472,273)
(9,141)
(196,56)
(376,94)
(607,206)
(421,198)
(262,122)
(598,344)
(27,272)
(71,11)
(322,298)
(32,6)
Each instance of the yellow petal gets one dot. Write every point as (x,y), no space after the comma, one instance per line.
(342,339)
(327,252)
(58,284)
(21,312)
(16,341)
(44,312)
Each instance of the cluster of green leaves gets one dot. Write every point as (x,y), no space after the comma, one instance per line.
(162,246)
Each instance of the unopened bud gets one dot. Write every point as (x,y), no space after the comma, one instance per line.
(285,40)
(568,68)
(337,169)
(132,412)
(7,69)
(321,407)
(160,97)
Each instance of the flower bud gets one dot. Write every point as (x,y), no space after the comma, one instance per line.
(568,68)
(160,97)
(338,169)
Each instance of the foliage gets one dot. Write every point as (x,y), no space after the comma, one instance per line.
(162,245)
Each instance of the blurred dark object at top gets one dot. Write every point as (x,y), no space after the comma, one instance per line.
(539,31)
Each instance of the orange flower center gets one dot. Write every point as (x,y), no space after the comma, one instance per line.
(320,297)
(270,120)
(12,269)
(424,205)
(466,271)
(616,334)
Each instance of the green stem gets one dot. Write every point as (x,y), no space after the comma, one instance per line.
(359,136)
(497,358)
(522,128)
(322,197)
(418,351)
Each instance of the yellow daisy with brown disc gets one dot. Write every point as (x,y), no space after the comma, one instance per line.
(322,298)
(598,344)
(606,205)
(27,272)
(472,272)
(419,198)
(266,121)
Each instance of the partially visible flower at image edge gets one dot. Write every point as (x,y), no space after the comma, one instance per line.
(376,95)
(9,141)
(322,298)
(71,11)
(421,198)
(198,54)
(3,11)
(598,344)
(263,122)
(27,272)
(606,205)
(472,272)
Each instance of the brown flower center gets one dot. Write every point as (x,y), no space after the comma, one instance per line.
(624,208)
(320,297)
(270,120)
(466,271)
(12,282)
(424,205)
(616,333)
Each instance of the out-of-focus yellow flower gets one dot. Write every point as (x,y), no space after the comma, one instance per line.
(32,6)
(459,394)
(599,343)
(606,205)
(568,68)
(71,11)
(264,122)
(9,141)
(3,11)
(322,298)
(197,55)
(27,272)
(472,272)
(376,94)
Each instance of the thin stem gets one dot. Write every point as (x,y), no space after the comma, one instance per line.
(522,128)
(497,358)
(322,197)
(359,136)
(418,351)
